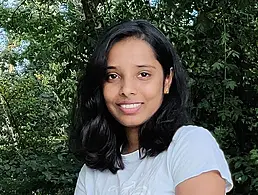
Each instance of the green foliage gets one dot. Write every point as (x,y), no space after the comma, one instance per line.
(217,41)
(34,155)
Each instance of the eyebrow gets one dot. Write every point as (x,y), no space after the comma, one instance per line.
(111,67)
(146,66)
(139,66)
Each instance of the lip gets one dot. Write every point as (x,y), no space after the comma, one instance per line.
(129,111)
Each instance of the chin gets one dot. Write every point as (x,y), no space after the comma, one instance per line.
(131,121)
(130,124)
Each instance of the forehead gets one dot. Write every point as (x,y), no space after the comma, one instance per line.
(131,51)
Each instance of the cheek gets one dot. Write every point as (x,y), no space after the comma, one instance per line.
(154,91)
(108,93)
(155,97)
(105,93)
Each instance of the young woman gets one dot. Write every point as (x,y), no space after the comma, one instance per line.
(131,124)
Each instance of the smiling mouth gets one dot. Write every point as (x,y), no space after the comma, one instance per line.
(128,106)
(130,109)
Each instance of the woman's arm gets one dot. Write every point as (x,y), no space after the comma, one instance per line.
(209,183)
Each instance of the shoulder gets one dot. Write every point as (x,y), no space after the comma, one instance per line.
(80,184)
(84,174)
(193,142)
(193,151)
(192,133)
(192,138)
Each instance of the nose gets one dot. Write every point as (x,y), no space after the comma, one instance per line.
(128,87)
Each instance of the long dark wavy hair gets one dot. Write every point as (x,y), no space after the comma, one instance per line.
(96,137)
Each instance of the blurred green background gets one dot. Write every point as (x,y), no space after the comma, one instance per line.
(45,44)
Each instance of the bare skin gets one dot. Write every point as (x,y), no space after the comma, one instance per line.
(132,138)
(209,183)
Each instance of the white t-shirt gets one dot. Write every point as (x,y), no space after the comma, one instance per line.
(192,151)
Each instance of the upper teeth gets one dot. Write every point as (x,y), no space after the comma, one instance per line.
(130,105)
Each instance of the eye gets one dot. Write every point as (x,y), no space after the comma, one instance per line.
(144,74)
(111,76)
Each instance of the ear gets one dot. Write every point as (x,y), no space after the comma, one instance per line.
(168,82)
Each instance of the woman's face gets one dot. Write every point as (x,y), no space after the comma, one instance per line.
(134,86)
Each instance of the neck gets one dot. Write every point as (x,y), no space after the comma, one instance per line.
(132,140)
